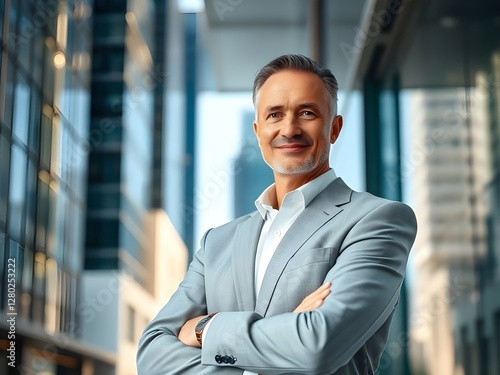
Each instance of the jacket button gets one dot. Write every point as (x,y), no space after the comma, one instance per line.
(218,358)
(225,359)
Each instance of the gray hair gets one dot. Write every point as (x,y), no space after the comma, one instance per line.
(301,63)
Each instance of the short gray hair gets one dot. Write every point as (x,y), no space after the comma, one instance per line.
(301,63)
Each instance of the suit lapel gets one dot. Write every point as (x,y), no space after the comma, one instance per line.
(321,210)
(243,260)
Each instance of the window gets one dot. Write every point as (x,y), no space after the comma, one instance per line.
(38,296)
(42,212)
(104,167)
(21,110)
(4,172)
(9,93)
(107,98)
(46,141)
(102,232)
(17,192)
(109,26)
(110,6)
(466,358)
(103,199)
(23,40)
(30,219)
(48,72)
(483,348)
(2,9)
(24,294)
(37,71)
(105,131)
(34,122)
(13,15)
(108,59)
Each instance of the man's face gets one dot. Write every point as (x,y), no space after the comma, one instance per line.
(294,124)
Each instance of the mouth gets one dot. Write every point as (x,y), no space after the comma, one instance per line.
(292,147)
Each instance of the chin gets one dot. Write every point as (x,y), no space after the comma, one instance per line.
(296,169)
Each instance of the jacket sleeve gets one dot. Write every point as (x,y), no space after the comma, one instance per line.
(160,351)
(366,281)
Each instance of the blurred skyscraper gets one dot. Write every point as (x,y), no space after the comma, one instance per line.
(445,247)
(83,151)
(134,258)
(44,138)
(251,174)
(121,156)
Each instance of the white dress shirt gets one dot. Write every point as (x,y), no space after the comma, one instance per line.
(277,223)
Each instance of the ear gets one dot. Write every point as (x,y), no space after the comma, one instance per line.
(337,124)
(256,131)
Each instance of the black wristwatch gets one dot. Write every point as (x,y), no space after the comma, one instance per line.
(200,326)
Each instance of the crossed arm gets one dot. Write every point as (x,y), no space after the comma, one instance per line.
(311,302)
(365,283)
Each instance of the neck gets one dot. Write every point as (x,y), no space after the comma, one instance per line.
(285,183)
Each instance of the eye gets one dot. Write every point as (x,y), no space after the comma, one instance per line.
(274,116)
(308,114)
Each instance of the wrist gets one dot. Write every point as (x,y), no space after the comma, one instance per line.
(200,326)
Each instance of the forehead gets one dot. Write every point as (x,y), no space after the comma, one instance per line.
(292,86)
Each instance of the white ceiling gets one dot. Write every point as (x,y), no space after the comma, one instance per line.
(243,35)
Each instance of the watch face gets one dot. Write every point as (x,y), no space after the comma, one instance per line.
(202,323)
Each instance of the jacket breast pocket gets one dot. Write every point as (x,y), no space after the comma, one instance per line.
(305,272)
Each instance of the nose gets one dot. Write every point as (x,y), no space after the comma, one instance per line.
(290,127)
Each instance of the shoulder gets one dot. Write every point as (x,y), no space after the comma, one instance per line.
(383,211)
(226,230)
(366,205)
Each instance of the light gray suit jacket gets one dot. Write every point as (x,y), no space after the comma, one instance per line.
(355,240)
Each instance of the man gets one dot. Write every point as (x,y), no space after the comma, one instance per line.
(308,283)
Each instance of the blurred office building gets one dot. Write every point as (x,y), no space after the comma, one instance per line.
(44,113)
(83,192)
(134,258)
(449,175)
(455,162)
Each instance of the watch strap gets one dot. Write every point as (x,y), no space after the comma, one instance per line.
(200,326)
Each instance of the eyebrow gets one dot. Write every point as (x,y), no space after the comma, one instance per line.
(300,106)
(309,105)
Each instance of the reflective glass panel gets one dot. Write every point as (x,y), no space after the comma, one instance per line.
(17,192)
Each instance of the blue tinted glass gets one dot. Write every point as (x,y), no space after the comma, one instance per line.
(17,191)
(20,121)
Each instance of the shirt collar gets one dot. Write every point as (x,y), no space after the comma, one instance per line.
(306,193)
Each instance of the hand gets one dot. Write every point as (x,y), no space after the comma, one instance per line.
(315,299)
(187,335)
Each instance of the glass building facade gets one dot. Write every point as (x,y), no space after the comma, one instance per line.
(432,111)
(120,176)
(44,111)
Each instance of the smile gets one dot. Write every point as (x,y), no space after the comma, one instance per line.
(291,148)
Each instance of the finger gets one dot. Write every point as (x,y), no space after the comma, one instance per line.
(313,301)
(319,291)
